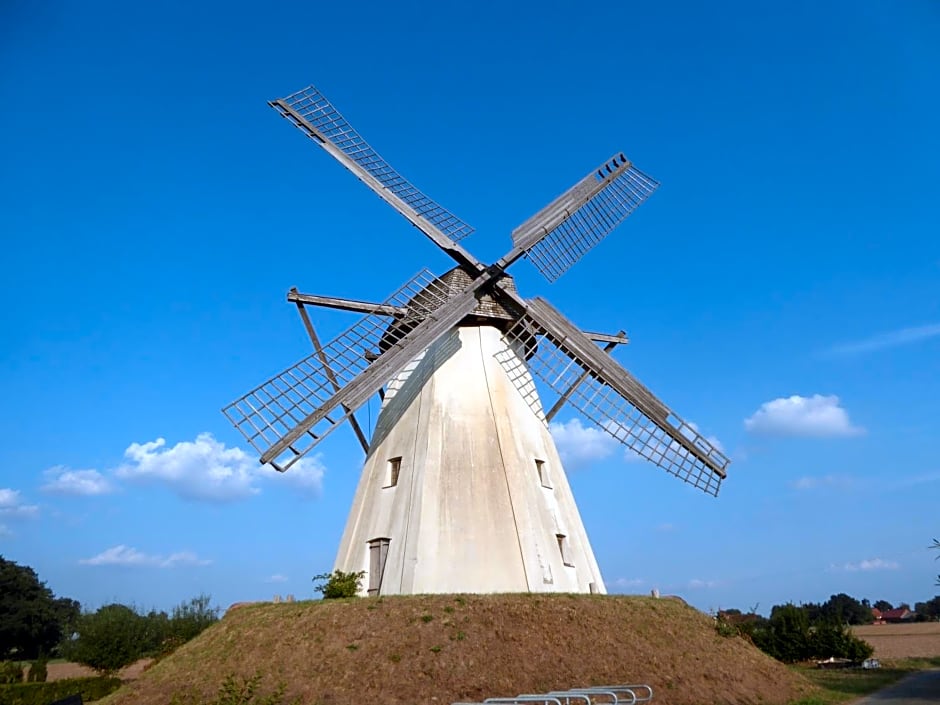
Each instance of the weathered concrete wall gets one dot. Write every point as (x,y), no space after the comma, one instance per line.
(470,512)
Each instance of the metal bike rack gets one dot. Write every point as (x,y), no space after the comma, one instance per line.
(633,688)
(526,699)
(593,693)
(566,695)
(590,695)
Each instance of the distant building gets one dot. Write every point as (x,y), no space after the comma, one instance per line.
(895,616)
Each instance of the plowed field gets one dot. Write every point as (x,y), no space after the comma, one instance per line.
(892,641)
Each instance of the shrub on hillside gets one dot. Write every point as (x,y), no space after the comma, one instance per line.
(93,688)
(339,584)
(233,692)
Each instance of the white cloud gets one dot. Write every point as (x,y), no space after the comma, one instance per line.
(205,469)
(914,480)
(711,439)
(816,416)
(893,339)
(276,578)
(812,483)
(628,582)
(698,584)
(88,483)
(128,556)
(304,477)
(12,507)
(578,445)
(867,565)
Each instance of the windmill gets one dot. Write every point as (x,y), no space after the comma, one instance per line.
(463,489)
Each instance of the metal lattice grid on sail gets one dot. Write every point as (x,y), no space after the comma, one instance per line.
(317,110)
(643,424)
(267,413)
(579,219)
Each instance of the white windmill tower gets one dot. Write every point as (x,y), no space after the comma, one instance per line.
(462,488)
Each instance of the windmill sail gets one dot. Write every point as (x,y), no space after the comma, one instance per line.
(605,393)
(311,112)
(308,389)
(560,234)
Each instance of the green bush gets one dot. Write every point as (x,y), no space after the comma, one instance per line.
(116,635)
(834,639)
(190,619)
(93,688)
(233,692)
(37,671)
(339,584)
(10,672)
(789,638)
(111,638)
(786,636)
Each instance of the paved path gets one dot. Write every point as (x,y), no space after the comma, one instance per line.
(922,688)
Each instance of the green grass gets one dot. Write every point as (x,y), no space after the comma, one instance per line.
(841,685)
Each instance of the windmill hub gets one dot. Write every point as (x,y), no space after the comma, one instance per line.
(463,489)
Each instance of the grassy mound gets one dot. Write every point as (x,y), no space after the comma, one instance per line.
(444,648)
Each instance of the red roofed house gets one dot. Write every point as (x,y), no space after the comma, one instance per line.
(898,614)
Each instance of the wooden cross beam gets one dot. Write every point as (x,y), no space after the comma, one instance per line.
(612,342)
(357,429)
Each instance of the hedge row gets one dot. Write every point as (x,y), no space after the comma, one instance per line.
(92,688)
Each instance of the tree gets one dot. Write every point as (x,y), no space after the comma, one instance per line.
(117,635)
(787,635)
(32,620)
(189,619)
(883,606)
(111,638)
(929,610)
(845,609)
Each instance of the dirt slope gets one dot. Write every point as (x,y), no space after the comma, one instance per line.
(444,648)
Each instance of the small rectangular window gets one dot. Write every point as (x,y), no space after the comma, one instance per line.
(563,549)
(392,470)
(542,469)
(378,553)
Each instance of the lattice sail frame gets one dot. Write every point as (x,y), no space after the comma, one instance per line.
(575,222)
(267,413)
(558,367)
(317,110)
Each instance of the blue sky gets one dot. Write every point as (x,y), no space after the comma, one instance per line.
(780,289)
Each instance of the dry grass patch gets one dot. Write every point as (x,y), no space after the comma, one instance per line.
(445,648)
(60,670)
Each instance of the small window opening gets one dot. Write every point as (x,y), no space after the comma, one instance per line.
(393,469)
(542,469)
(564,550)
(378,553)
